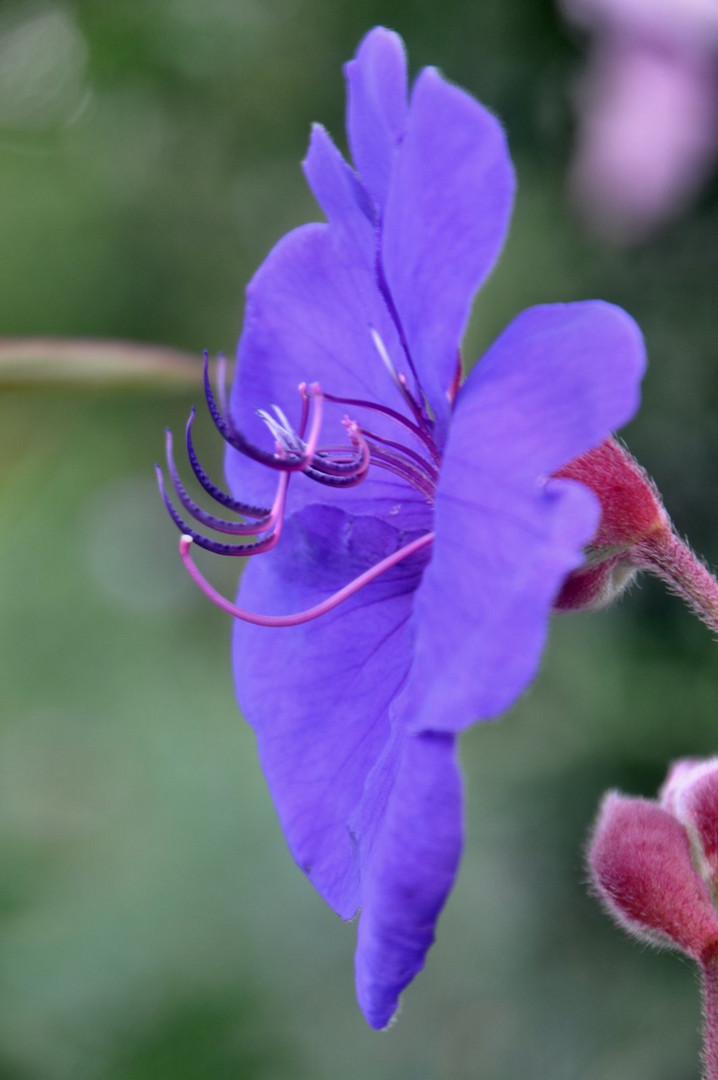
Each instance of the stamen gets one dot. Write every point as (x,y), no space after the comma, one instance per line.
(315,392)
(332,481)
(233,528)
(356,438)
(388,461)
(217,494)
(301,617)
(237,440)
(215,546)
(339,467)
(392,414)
(430,470)
(350,472)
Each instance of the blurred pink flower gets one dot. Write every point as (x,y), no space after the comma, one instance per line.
(648,132)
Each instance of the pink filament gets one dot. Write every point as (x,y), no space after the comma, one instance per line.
(275,518)
(300,617)
(315,392)
(393,415)
(356,437)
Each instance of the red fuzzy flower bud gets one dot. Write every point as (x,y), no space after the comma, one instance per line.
(691,795)
(641,866)
(631,511)
(635,533)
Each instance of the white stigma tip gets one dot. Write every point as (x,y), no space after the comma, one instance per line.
(282,417)
(382,350)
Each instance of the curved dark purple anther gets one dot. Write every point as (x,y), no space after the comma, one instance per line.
(325,469)
(233,528)
(324,465)
(217,494)
(333,481)
(216,546)
(343,473)
(238,441)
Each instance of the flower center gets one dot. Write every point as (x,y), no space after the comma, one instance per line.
(299,451)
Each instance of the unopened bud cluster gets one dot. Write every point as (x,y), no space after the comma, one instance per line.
(655,864)
(655,867)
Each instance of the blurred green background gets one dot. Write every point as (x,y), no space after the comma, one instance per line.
(152,924)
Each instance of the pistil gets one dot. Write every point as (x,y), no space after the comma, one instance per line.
(301,617)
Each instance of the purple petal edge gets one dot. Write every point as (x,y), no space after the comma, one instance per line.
(408,864)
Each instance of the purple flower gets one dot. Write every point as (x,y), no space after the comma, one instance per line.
(413,512)
(649,110)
